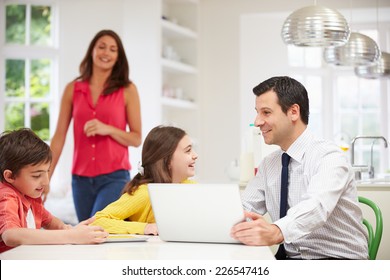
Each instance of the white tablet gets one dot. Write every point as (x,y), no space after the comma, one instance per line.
(125,238)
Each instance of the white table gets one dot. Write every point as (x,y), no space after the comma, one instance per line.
(153,249)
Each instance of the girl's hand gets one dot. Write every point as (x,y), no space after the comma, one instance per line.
(151,229)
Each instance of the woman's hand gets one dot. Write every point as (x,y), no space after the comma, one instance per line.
(96,127)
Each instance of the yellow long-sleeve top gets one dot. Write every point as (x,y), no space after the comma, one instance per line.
(128,214)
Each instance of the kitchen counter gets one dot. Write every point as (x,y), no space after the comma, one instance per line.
(152,249)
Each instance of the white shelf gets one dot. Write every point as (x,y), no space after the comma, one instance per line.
(179,60)
(177,66)
(182,1)
(172,30)
(177,103)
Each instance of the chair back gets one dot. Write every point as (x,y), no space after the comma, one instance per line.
(374,237)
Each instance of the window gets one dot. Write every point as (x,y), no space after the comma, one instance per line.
(343,105)
(29,60)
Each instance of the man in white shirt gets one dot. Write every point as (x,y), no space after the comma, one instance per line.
(323,220)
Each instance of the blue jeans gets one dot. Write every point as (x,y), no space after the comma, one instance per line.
(92,194)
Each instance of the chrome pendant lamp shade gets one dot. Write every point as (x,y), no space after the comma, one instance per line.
(315,26)
(359,50)
(378,70)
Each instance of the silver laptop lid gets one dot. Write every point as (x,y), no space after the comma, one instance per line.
(196,212)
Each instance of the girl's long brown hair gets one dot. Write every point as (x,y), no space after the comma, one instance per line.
(120,73)
(157,152)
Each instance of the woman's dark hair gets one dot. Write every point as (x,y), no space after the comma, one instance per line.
(289,92)
(157,152)
(120,73)
(20,148)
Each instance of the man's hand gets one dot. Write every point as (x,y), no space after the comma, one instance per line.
(257,232)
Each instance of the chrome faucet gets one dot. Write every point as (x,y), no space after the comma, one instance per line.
(371,172)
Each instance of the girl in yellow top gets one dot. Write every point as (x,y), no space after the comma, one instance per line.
(167,157)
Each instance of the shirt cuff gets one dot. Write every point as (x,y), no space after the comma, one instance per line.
(282,224)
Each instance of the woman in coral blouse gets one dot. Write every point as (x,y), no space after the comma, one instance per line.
(105,108)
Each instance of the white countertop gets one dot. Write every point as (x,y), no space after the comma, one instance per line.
(153,249)
(382,181)
(373,183)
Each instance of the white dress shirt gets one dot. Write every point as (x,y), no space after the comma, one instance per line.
(324,219)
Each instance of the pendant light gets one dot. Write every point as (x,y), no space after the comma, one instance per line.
(382,66)
(359,50)
(378,70)
(315,26)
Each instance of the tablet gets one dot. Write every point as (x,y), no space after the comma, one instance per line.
(125,238)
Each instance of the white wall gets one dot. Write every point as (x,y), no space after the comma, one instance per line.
(261,57)
(142,40)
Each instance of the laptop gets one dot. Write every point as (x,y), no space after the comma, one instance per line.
(196,212)
(125,238)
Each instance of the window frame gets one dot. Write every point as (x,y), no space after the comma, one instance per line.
(27,53)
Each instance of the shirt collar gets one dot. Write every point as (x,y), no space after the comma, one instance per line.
(24,199)
(81,86)
(297,149)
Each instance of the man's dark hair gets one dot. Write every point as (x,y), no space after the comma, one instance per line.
(289,92)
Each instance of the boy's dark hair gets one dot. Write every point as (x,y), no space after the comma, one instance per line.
(289,92)
(20,148)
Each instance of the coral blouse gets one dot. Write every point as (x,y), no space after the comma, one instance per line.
(98,155)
